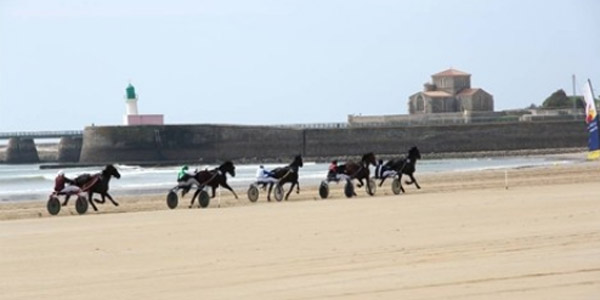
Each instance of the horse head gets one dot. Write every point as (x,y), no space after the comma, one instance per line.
(228,167)
(414,154)
(369,158)
(297,161)
(110,170)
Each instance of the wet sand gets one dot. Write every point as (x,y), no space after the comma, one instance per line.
(462,236)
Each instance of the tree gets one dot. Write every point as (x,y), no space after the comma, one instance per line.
(558,99)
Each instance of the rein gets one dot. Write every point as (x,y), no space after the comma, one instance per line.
(211,179)
(286,174)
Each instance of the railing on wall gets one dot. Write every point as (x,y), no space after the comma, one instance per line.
(451,119)
(41,134)
(314,125)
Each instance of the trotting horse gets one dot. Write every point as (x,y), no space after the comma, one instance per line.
(405,165)
(214,178)
(360,171)
(287,174)
(97,183)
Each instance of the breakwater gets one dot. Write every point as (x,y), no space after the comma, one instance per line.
(211,143)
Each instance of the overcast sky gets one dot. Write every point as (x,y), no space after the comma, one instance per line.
(65,64)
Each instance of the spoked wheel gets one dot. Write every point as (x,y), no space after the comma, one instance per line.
(349,189)
(81,205)
(172,199)
(278,193)
(324,190)
(53,205)
(253,193)
(396,187)
(203,199)
(371,187)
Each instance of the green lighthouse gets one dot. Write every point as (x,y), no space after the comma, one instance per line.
(131,100)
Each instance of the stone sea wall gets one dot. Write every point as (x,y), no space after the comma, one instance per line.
(210,143)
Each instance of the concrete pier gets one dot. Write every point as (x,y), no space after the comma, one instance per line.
(21,151)
(69,149)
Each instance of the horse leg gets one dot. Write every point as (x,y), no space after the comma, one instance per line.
(269,192)
(91,200)
(214,190)
(413,180)
(290,191)
(360,183)
(400,181)
(225,185)
(66,200)
(111,199)
(194,198)
(297,187)
(382,180)
(100,201)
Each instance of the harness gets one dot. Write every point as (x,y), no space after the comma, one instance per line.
(290,171)
(213,177)
(359,169)
(91,182)
(406,162)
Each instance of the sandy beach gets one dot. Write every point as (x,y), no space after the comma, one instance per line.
(462,236)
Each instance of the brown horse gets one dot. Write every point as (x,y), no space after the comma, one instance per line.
(214,178)
(405,165)
(287,174)
(97,183)
(359,170)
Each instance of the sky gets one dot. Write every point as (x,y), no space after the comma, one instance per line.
(65,64)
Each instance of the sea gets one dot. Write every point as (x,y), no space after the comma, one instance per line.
(29,182)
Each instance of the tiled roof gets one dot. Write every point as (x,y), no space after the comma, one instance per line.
(467,92)
(451,72)
(437,94)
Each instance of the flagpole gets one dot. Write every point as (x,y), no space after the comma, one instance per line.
(591,118)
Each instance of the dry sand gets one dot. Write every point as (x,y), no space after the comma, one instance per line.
(462,236)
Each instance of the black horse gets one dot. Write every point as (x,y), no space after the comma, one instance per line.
(214,178)
(360,170)
(287,174)
(97,183)
(405,165)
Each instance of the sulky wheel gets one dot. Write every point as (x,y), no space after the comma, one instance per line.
(324,190)
(396,187)
(278,193)
(53,205)
(172,199)
(371,187)
(253,193)
(349,189)
(203,199)
(81,205)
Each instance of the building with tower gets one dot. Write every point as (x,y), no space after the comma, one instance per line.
(132,117)
(447,99)
(450,92)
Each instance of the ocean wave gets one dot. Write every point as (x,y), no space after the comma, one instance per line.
(26,178)
(38,191)
(514,166)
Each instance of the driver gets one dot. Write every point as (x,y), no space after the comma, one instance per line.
(186,178)
(383,172)
(333,170)
(61,188)
(265,176)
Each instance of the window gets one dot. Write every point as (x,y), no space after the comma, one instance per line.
(420,104)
